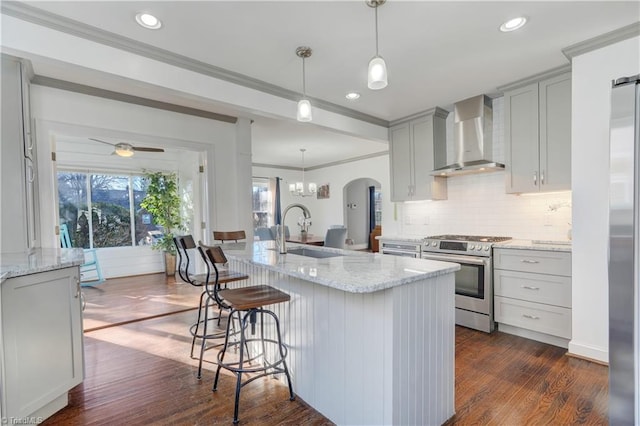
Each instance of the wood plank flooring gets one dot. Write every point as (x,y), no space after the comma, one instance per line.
(138,372)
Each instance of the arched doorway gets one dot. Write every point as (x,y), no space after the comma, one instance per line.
(361,211)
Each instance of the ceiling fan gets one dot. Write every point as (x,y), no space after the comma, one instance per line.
(124,149)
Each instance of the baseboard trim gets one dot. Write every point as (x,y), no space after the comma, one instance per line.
(595,361)
(588,352)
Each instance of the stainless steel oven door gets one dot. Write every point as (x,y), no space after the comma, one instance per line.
(474,289)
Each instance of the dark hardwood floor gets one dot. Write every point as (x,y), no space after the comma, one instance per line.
(138,372)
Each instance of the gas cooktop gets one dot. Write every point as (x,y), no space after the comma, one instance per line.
(472,238)
(476,245)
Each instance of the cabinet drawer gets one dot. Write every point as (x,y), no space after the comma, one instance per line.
(540,288)
(541,262)
(534,316)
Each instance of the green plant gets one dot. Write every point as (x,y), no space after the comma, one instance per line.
(163,202)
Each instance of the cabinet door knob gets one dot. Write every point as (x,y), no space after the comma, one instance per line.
(542,178)
(535,178)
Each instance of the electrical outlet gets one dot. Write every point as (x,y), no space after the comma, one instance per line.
(425,220)
(547,219)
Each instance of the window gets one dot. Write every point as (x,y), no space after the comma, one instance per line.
(262,205)
(377,196)
(103,210)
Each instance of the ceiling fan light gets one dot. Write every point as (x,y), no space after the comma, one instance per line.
(124,150)
(377,75)
(304,110)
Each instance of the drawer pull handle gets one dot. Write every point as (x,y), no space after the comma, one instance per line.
(529,261)
(530,316)
(528,287)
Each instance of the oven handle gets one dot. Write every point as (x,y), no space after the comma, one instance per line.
(471,260)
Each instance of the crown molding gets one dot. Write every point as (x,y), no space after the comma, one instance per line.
(437,112)
(137,100)
(536,78)
(603,40)
(82,30)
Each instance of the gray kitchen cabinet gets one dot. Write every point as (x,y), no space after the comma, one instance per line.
(20,207)
(538,133)
(42,346)
(532,291)
(415,147)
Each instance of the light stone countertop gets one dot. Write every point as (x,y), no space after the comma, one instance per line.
(535,245)
(39,260)
(354,272)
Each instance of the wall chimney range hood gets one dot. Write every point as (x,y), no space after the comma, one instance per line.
(472,138)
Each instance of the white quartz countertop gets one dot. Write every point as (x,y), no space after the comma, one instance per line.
(536,245)
(38,260)
(354,272)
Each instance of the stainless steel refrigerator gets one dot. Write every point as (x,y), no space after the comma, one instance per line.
(624,252)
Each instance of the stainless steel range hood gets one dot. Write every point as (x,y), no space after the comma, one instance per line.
(472,138)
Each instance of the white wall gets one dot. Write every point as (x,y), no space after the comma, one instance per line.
(591,86)
(58,112)
(330,211)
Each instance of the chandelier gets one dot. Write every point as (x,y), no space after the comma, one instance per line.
(301,189)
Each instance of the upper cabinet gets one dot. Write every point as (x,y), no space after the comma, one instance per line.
(416,146)
(20,212)
(538,133)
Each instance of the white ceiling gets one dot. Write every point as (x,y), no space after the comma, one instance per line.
(437,52)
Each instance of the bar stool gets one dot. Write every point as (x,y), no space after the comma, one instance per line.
(229,236)
(247,303)
(200,329)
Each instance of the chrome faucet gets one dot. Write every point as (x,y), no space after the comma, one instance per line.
(282,236)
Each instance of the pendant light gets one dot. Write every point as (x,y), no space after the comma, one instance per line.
(377,74)
(301,189)
(304,106)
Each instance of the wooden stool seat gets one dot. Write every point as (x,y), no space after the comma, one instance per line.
(242,299)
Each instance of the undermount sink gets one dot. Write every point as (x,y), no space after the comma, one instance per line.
(301,251)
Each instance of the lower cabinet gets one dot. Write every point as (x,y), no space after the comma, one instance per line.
(42,347)
(533,294)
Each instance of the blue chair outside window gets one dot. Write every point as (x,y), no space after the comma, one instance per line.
(90,271)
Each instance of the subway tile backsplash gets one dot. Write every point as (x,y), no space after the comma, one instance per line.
(478,205)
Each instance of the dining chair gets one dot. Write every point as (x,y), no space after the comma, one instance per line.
(264,234)
(335,237)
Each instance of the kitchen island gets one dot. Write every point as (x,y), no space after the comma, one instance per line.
(370,337)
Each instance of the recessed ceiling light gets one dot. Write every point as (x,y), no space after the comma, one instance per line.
(352,96)
(513,24)
(147,20)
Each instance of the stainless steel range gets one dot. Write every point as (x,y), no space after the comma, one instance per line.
(474,281)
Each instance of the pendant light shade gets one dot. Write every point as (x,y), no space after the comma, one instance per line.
(377,74)
(304,110)
(304,106)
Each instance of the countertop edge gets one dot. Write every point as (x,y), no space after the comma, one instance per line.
(533,245)
(39,260)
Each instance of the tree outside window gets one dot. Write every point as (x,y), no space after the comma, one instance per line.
(103,210)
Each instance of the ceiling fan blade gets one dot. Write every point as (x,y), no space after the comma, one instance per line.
(98,140)
(145,149)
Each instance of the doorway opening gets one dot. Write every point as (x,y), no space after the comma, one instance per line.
(362,211)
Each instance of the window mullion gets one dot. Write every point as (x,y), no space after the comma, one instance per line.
(132,213)
(90,208)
